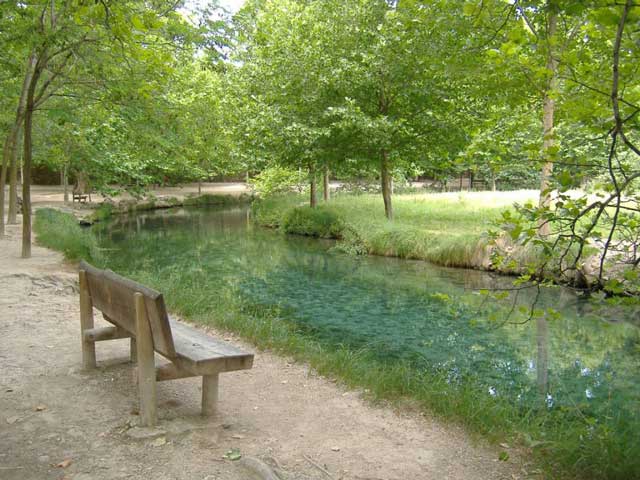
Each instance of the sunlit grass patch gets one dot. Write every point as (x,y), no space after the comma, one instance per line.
(445,228)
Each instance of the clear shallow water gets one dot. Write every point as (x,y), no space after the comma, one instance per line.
(586,361)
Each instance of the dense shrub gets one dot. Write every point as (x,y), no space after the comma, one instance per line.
(314,222)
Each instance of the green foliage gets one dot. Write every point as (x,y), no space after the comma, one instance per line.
(61,231)
(320,222)
(277,180)
(103,212)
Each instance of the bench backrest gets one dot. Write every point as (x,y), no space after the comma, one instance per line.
(113,295)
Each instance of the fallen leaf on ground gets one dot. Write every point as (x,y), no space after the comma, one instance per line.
(158,442)
(335,449)
(65,463)
(40,408)
(233,454)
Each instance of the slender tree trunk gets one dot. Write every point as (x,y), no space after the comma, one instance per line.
(3,181)
(199,187)
(313,194)
(493,182)
(13,184)
(548,110)
(385,179)
(325,184)
(65,182)
(9,152)
(26,167)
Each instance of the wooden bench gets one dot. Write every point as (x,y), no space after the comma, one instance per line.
(79,197)
(139,313)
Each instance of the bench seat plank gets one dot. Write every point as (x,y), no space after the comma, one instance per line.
(205,355)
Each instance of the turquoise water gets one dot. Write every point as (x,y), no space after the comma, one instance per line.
(583,360)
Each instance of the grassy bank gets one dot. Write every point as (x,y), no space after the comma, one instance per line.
(445,229)
(554,437)
(60,231)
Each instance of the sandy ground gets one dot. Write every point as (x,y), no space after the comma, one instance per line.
(59,422)
(54,194)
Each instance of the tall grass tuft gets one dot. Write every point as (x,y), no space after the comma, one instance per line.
(61,231)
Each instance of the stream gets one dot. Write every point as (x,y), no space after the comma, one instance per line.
(574,358)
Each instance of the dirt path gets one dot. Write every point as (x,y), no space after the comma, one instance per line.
(58,422)
(54,194)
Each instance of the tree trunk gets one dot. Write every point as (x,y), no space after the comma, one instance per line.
(65,182)
(26,167)
(9,152)
(313,196)
(325,184)
(199,187)
(3,181)
(493,181)
(548,110)
(385,179)
(13,183)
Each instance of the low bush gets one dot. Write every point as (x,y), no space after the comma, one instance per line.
(313,222)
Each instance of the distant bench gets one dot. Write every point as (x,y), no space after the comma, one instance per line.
(139,313)
(80,197)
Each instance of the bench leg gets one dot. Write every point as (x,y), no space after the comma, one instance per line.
(209,394)
(146,365)
(133,350)
(86,323)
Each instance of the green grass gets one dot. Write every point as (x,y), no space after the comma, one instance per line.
(61,231)
(445,229)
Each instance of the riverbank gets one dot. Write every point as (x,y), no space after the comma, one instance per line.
(283,412)
(189,272)
(445,229)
